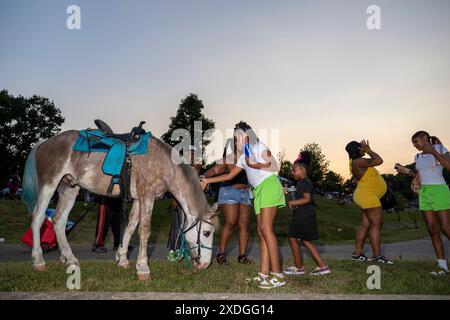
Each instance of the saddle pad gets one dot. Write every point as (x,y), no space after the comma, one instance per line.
(96,141)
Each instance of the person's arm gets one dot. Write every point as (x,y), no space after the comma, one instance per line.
(404,170)
(224,177)
(444,159)
(373,161)
(300,202)
(270,165)
(216,170)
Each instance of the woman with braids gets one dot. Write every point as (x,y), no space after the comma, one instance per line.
(234,197)
(260,166)
(370,188)
(434,194)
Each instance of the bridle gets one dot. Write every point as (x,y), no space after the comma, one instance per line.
(186,251)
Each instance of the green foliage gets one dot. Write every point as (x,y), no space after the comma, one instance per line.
(333,182)
(189,111)
(319,166)
(23,122)
(401,184)
(349,186)
(285,166)
(400,202)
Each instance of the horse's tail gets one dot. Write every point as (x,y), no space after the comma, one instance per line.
(30,185)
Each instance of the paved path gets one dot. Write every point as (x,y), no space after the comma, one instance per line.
(410,250)
(202,296)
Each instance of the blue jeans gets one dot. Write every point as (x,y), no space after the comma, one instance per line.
(231,195)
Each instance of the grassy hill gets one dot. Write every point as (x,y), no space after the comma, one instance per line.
(337,224)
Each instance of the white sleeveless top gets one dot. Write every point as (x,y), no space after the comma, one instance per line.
(430,170)
(255,176)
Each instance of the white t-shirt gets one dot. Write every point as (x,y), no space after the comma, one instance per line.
(430,170)
(255,176)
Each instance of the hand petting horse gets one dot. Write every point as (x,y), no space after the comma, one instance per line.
(54,165)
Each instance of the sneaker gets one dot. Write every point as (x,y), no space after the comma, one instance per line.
(294,271)
(258,279)
(440,272)
(171,256)
(359,257)
(99,249)
(382,260)
(272,282)
(320,271)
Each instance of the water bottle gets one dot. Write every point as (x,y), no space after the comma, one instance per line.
(247,150)
(292,194)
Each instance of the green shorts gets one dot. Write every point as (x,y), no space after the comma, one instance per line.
(434,197)
(269,194)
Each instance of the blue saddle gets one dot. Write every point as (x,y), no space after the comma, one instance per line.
(116,149)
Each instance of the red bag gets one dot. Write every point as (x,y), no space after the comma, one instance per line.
(48,237)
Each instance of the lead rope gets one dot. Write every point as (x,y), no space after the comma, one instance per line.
(183,252)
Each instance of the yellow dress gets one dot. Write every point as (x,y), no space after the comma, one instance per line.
(370,189)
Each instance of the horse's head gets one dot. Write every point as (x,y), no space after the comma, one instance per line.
(199,234)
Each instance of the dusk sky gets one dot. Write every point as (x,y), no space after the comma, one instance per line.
(311,69)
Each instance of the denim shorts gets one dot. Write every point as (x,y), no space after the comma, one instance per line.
(230,195)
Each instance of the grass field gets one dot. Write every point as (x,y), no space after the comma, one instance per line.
(336,224)
(347,277)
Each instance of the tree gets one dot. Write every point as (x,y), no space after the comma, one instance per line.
(319,166)
(349,186)
(189,111)
(285,166)
(23,122)
(333,182)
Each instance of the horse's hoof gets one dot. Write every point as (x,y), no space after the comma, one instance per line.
(143,277)
(40,267)
(123,265)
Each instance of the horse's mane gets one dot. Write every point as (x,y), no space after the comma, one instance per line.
(190,175)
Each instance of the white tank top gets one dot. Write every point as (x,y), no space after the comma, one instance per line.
(430,170)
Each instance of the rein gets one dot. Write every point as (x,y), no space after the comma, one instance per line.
(184,250)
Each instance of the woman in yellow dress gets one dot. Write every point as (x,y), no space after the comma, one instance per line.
(371,187)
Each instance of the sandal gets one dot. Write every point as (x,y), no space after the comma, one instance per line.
(221,258)
(243,259)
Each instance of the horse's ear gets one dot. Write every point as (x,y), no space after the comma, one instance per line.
(213,215)
(215,206)
(214,218)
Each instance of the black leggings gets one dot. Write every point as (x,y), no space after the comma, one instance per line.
(109,214)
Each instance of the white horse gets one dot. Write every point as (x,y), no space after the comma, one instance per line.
(53,165)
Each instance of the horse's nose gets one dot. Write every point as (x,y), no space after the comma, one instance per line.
(201,266)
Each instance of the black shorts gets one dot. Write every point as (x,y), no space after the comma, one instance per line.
(303,225)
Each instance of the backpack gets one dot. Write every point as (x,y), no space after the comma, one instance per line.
(388,201)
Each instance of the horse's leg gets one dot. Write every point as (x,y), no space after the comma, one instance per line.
(145,214)
(38,217)
(133,220)
(67,197)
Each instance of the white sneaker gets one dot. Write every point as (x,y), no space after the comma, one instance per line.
(320,271)
(258,279)
(440,272)
(272,282)
(294,271)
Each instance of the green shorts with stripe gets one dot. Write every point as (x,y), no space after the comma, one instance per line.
(269,194)
(434,197)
